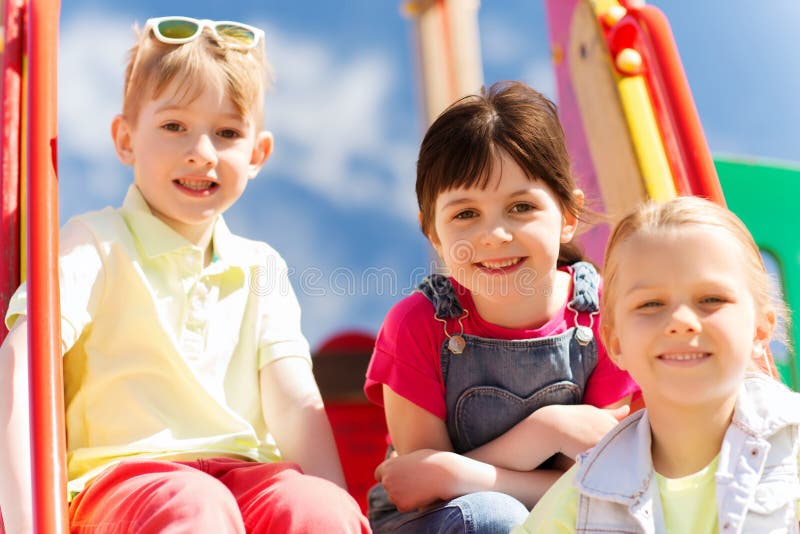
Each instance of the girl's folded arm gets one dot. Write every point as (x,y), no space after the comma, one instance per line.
(557,428)
(426,469)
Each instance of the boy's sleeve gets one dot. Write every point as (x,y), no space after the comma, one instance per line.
(80,278)
(281,335)
(557,510)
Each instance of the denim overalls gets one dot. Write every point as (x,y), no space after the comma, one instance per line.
(490,386)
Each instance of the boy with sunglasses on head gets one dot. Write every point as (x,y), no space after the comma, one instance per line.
(190,401)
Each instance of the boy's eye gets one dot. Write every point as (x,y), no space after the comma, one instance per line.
(521,207)
(229,133)
(172,127)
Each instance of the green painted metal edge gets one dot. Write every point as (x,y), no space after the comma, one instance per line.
(764,194)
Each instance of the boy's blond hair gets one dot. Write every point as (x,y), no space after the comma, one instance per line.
(243,74)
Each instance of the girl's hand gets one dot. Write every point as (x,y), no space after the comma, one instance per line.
(581,426)
(415,480)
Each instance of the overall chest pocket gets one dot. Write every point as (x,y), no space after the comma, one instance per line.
(483,413)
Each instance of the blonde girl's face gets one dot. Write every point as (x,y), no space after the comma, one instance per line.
(502,242)
(685,323)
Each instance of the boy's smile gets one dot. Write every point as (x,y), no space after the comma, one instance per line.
(192,158)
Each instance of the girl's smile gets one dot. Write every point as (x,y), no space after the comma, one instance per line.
(501,266)
(686,318)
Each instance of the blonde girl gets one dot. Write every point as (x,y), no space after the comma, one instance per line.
(689,315)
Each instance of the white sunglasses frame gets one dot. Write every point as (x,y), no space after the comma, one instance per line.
(152,24)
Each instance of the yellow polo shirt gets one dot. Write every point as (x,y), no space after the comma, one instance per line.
(162,355)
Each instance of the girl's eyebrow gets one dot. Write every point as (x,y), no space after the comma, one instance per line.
(457,201)
(466,200)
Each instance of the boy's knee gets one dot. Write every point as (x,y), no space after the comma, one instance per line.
(305,503)
(152,497)
(192,500)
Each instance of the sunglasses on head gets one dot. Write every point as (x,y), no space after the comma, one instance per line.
(179,30)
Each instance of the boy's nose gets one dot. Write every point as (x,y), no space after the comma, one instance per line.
(683,320)
(202,152)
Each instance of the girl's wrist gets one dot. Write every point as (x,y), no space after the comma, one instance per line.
(466,475)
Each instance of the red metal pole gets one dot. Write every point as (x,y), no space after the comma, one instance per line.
(48,456)
(11,102)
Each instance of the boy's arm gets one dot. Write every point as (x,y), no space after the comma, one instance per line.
(296,418)
(15,458)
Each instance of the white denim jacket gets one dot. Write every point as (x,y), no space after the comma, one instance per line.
(757,485)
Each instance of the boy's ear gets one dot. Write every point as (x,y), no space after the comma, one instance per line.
(569,221)
(121,135)
(262,148)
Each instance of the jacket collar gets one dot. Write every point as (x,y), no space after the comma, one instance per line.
(628,445)
(763,407)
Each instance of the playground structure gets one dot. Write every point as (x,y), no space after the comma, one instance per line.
(632,129)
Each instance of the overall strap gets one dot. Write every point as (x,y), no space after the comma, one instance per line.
(438,289)
(585,288)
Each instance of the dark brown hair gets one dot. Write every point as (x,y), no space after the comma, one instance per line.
(463,143)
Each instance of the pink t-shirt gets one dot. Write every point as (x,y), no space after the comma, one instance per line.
(406,356)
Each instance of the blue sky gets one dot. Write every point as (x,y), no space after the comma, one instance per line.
(337,197)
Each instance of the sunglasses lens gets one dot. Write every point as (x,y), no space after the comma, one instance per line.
(236,34)
(177,29)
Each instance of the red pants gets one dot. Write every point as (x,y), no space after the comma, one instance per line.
(219,496)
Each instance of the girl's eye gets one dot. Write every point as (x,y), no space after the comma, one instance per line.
(712,300)
(650,304)
(466,214)
(522,207)
(229,134)
(172,127)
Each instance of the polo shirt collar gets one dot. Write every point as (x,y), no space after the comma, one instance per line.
(157,238)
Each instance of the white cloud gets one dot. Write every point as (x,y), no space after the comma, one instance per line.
(332,112)
(89,95)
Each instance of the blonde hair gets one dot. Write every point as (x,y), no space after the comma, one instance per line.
(243,74)
(679,213)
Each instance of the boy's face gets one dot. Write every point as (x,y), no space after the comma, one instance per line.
(191,160)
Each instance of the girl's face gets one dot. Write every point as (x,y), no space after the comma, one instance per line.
(685,324)
(502,241)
